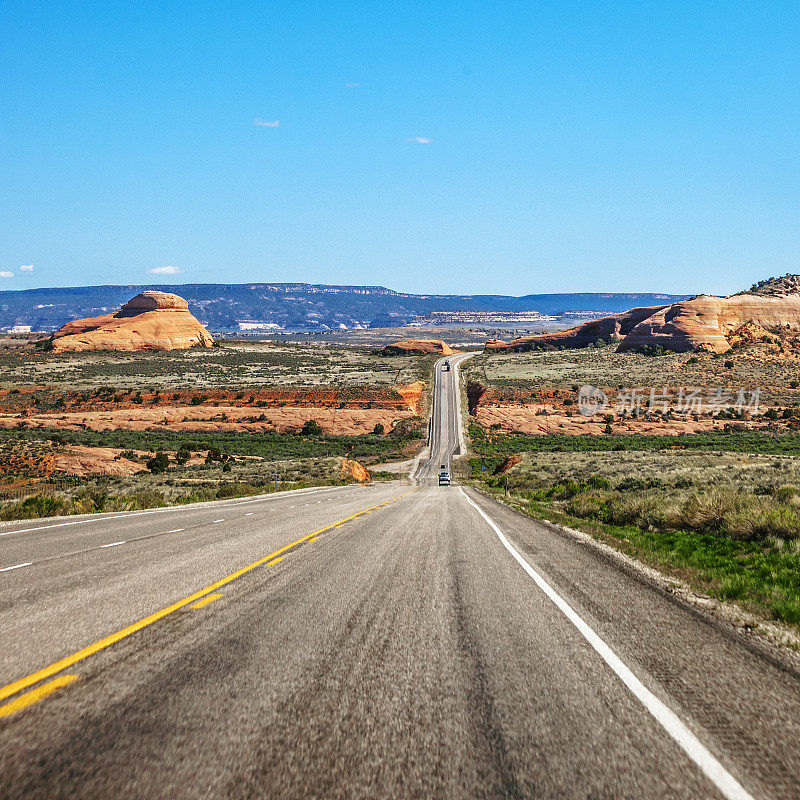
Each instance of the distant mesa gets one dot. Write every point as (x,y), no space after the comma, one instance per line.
(150,321)
(705,323)
(418,347)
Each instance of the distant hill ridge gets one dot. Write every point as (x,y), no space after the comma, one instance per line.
(298,306)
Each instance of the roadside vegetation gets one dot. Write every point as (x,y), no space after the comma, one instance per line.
(164,478)
(725,520)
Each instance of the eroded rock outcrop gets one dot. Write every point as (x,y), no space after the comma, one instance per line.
(418,347)
(770,308)
(150,321)
(608,328)
(715,324)
(352,470)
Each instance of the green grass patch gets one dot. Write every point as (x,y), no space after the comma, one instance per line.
(761,576)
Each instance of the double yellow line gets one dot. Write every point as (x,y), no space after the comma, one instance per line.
(68,661)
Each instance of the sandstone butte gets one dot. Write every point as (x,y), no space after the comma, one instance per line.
(422,346)
(704,323)
(149,321)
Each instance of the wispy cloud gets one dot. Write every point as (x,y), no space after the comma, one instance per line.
(352,85)
(26,268)
(165,271)
(6,274)
(266,123)
(420,140)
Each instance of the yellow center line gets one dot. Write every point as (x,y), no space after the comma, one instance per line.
(209,598)
(313,539)
(35,695)
(102,644)
(275,561)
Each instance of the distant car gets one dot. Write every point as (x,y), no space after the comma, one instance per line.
(446,366)
(444,478)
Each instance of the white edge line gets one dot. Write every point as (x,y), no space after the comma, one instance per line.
(113,544)
(16,566)
(176,530)
(665,716)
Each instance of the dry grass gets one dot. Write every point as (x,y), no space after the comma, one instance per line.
(234,364)
(754,366)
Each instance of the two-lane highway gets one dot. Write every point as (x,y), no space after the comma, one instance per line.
(446,437)
(370,642)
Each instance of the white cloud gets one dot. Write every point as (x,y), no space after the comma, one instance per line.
(6,274)
(352,85)
(26,268)
(266,123)
(420,140)
(165,271)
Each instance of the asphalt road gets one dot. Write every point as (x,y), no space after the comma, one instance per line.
(436,644)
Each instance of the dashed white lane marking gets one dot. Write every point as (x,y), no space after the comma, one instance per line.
(187,507)
(176,530)
(249,514)
(663,714)
(217,520)
(113,544)
(16,566)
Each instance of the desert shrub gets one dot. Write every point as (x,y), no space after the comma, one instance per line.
(42,505)
(653,350)
(708,510)
(784,494)
(147,498)
(214,454)
(90,499)
(311,428)
(378,429)
(183,454)
(158,463)
(598,482)
(587,506)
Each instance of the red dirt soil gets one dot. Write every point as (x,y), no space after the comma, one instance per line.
(338,411)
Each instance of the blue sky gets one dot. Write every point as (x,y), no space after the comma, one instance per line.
(463,147)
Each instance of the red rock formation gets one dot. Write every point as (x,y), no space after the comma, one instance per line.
(353,470)
(418,346)
(605,328)
(707,323)
(714,324)
(149,321)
